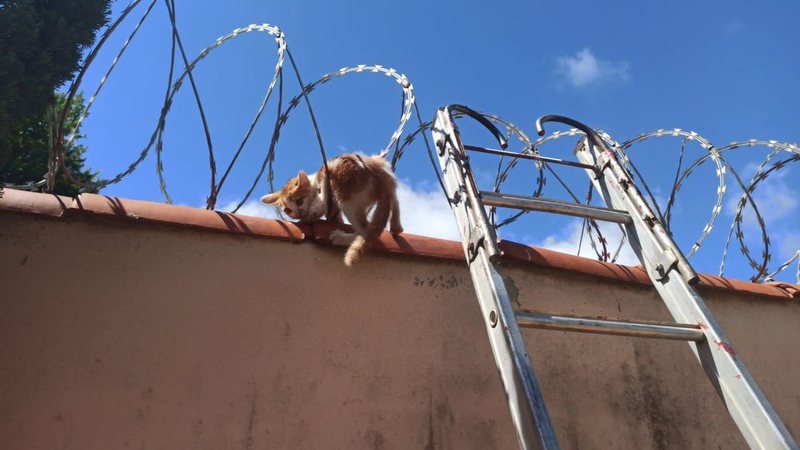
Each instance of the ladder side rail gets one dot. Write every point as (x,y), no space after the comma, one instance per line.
(751,411)
(525,400)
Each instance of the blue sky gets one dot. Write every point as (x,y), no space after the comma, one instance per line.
(727,70)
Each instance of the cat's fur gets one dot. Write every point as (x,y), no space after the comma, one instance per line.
(358,182)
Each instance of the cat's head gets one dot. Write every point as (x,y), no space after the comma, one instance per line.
(297,199)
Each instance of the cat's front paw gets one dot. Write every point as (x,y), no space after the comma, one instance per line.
(395,228)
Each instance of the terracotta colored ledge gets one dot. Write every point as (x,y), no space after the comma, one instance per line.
(405,244)
(137,210)
(33,202)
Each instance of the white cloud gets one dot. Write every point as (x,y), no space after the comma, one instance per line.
(252,208)
(584,69)
(568,241)
(777,202)
(773,198)
(788,244)
(426,212)
(732,28)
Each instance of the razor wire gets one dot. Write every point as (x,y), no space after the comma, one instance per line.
(722,167)
(400,142)
(57,160)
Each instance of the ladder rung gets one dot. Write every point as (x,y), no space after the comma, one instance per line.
(546,159)
(662,330)
(554,206)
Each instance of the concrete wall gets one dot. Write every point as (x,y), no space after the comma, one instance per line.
(122,335)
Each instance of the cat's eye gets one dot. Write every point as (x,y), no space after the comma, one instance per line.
(299,202)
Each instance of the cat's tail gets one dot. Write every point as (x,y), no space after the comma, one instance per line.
(355,250)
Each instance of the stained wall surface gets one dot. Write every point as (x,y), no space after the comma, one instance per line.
(115,334)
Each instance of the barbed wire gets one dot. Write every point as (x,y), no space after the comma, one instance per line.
(722,166)
(398,145)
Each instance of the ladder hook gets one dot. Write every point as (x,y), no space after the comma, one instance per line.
(483,121)
(590,133)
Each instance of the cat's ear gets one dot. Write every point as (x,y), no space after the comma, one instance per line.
(271,199)
(302,179)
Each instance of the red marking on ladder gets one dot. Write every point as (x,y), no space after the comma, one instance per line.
(739,377)
(702,326)
(728,348)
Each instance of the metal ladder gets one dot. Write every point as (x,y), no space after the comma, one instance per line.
(670,273)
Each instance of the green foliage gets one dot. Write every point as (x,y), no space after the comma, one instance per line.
(30,144)
(41,43)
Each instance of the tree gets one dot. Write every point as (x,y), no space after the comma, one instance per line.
(32,138)
(41,43)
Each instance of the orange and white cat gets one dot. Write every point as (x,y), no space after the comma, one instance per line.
(358,182)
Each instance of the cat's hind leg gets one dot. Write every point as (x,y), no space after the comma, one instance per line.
(394,225)
(357,215)
(380,217)
(374,229)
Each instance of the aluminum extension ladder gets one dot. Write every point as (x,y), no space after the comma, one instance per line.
(666,266)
